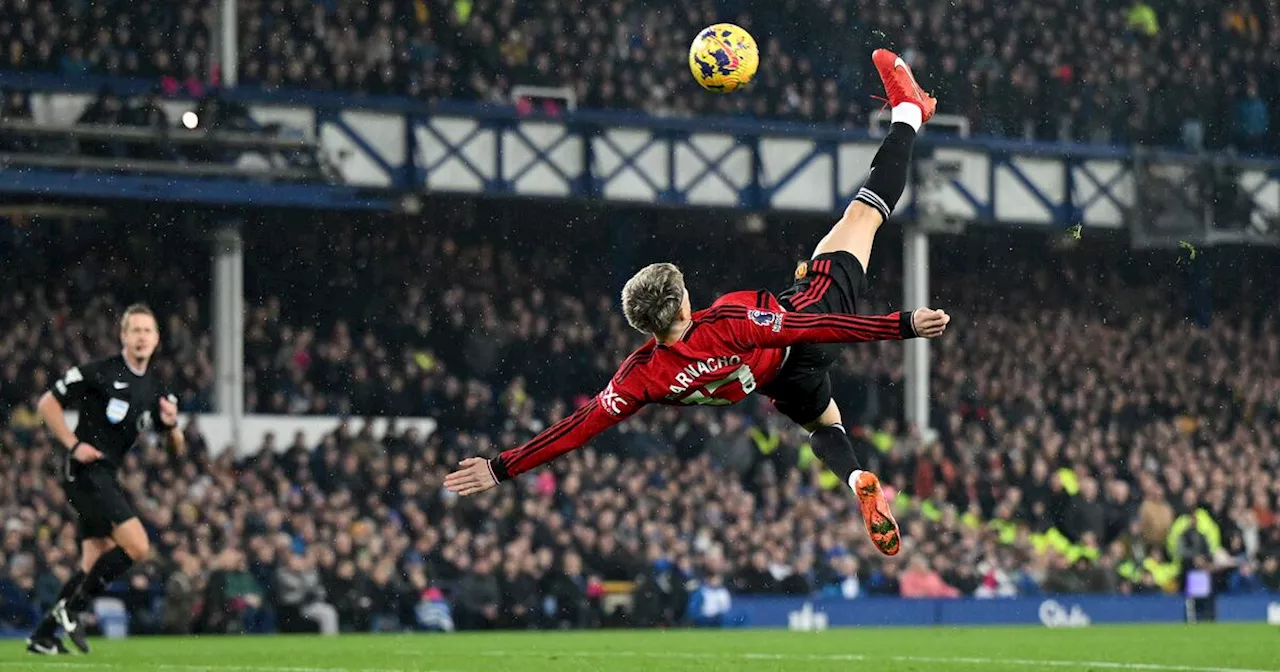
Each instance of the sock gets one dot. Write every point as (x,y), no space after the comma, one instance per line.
(111,566)
(888,176)
(832,445)
(909,114)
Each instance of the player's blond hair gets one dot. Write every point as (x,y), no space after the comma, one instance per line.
(134,309)
(651,299)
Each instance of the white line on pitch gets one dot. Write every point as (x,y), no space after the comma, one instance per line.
(852,657)
(170,667)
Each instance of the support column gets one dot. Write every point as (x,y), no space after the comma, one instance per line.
(228,325)
(915,268)
(226,44)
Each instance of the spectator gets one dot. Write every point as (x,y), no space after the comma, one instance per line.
(919,580)
(801,579)
(302,596)
(1253,118)
(711,604)
(1271,574)
(756,578)
(1245,580)
(1156,516)
(479,597)
(182,595)
(1192,547)
(1086,514)
(519,593)
(18,611)
(352,596)
(844,584)
(233,601)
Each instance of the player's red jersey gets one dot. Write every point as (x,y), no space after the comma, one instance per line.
(737,345)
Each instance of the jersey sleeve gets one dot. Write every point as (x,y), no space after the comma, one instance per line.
(612,405)
(75,384)
(762,328)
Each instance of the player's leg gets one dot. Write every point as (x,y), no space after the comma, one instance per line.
(94,530)
(831,444)
(111,509)
(803,394)
(129,543)
(874,203)
(90,551)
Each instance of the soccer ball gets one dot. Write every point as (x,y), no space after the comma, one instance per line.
(723,57)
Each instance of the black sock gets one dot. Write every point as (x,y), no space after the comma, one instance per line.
(111,566)
(48,626)
(832,445)
(888,176)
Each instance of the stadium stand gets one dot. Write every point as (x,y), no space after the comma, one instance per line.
(1012,71)
(1063,465)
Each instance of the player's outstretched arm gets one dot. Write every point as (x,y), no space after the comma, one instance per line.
(763,328)
(475,475)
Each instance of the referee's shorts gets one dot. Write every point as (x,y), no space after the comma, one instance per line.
(100,503)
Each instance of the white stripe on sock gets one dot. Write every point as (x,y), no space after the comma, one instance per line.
(853,479)
(873,199)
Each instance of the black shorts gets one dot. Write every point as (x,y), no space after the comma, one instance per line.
(829,283)
(100,503)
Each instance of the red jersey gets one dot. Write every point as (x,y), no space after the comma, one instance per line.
(738,344)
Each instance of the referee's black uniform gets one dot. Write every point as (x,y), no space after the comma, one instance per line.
(116,404)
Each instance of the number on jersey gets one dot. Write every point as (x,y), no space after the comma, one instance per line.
(703,397)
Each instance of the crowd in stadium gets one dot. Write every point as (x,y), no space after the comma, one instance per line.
(1100,71)
(1110,463)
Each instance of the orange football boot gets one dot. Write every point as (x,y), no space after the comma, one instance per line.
(876,514)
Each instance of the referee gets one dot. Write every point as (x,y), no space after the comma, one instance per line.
(118,398)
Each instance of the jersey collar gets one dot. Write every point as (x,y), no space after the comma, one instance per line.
(124,356)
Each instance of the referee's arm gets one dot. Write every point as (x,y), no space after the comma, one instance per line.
(168,406)
(54,417)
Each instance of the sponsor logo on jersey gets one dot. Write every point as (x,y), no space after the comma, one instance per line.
(116,410)
(764,318)
(612,402)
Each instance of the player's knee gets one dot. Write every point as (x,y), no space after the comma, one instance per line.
(133,539)
(858,214)
(830,416)
(138,549)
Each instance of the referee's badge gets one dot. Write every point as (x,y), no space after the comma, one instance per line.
(802,270)
(116,410)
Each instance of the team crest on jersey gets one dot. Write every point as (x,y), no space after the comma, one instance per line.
(802,270)
(611,401)
(764,318)
(116,410)
(145,423)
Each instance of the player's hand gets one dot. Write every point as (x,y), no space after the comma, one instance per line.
(472,478)
(930,323)
(168,412)
(85,453)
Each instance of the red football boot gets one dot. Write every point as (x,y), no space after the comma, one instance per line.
(900,85)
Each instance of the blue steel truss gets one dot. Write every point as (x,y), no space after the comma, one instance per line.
(391,145)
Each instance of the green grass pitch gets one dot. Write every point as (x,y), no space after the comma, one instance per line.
(1202,648)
